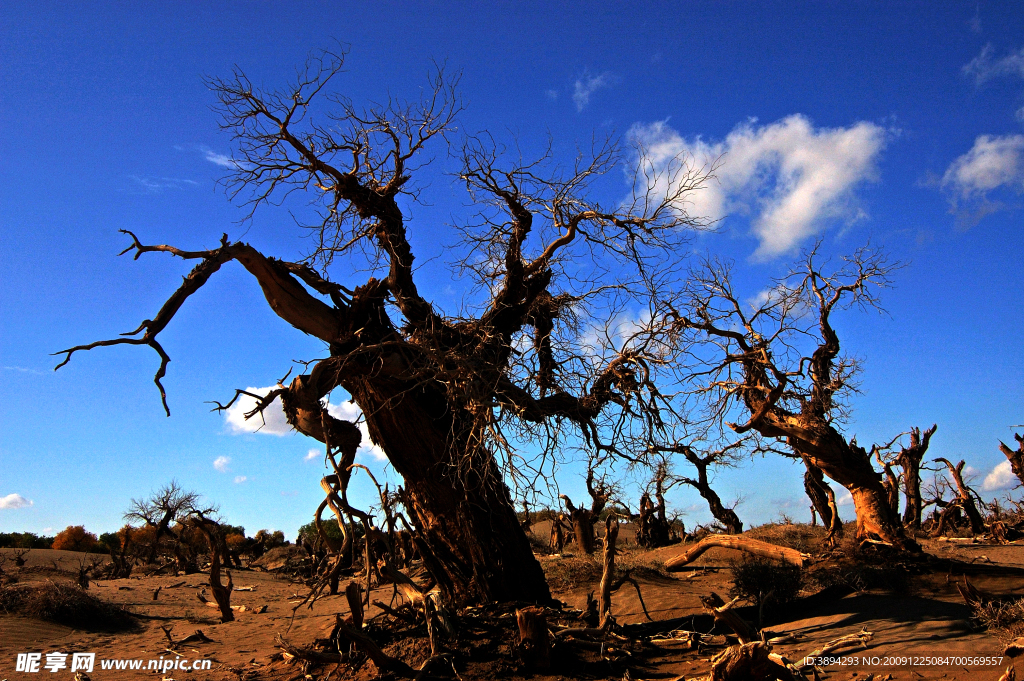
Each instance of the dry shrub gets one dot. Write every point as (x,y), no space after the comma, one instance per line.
(802,537)
(569,572)
(67,604)
(765,583)
(1005,618)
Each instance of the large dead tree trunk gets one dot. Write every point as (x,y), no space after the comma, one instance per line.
(1016,458)
(456,498)
(909,459)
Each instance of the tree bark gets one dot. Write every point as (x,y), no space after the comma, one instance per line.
(455,496)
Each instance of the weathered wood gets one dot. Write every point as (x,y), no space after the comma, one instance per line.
(354,596)
(738,543)
(965,496)
(723,613)
(611,534)
(534,637)
(746,662)
(384,662)
(1016,458)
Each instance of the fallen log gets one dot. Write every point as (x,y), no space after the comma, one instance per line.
(738,543)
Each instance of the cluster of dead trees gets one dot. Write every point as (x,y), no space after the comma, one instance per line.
(539,357)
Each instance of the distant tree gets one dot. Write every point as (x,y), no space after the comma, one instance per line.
(74,538)
(168,505)
(446,394)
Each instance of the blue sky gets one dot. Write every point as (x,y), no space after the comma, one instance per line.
(901,124)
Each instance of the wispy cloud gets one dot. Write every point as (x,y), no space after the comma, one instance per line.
(991,164)
(25,370)
(999,478)
(587,85)
(792,179)
(217,158)
(221,463)
(156,185)
(14,501)
(984,67)
(312,454)
(239,479)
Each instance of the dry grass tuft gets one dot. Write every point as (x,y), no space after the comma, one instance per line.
(67,604)
(803,538)
(1004,618)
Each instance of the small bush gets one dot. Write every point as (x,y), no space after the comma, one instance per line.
(65,604)
(765,583)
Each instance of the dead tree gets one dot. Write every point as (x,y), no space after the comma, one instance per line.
(909,460)
(439,391)
(701,462)
(1016,458)
(965,496)
(556,542)
(785,394)
(218,558)
(583,519)
(168,505)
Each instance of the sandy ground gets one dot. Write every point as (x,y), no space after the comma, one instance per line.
(930,620)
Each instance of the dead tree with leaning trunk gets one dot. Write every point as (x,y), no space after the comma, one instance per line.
(1015,457)
(446,396)
(701,462)
(785,394)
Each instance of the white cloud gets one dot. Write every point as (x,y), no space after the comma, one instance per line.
(844,498)
(991,163)
(984,67)
(14,501)
(790,177)
(271,422)
(586,86)
(1000,477)
(350,412)
(239,479)
(221,463)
